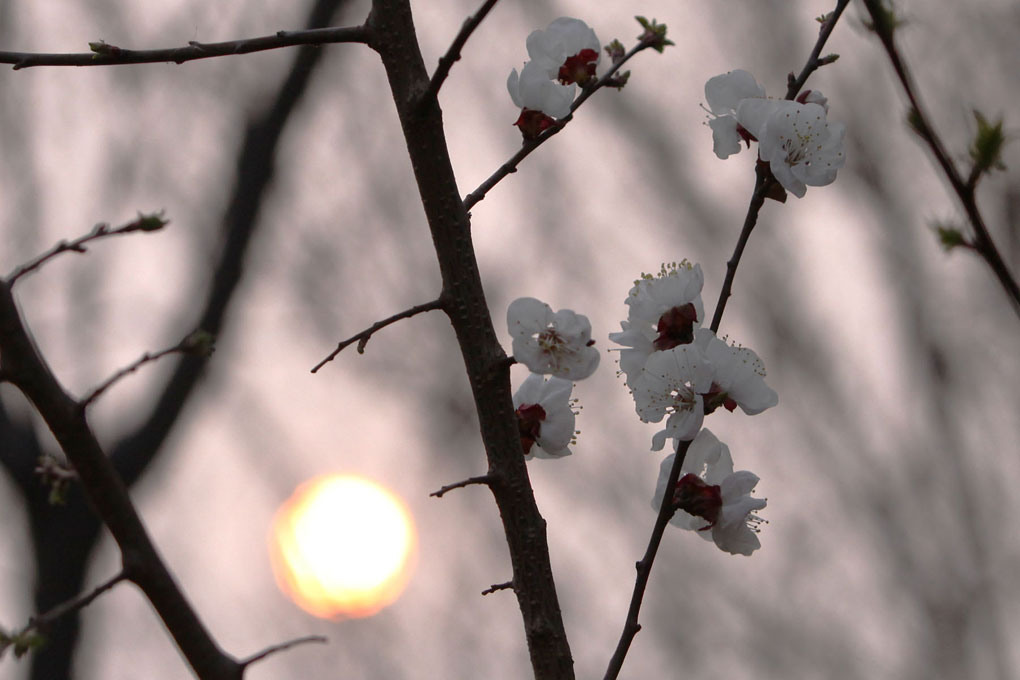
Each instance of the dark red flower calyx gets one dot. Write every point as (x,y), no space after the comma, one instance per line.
(579,68)
(676,327)
(716,397)
(529,422)
(533,122)
(697,498)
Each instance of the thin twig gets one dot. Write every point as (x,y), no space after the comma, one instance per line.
(644,567)
(152,222)
(498,586)
(452,55)
(196,342)
(815,61)
(481,479)
(964,189)
(104,54)
(530,145)
(761,187)
(281,647)
(38,624)
(363,336)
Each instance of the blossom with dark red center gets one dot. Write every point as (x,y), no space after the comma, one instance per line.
(568,50)
(664,311)
(738,376)
(711,499)
(545,416)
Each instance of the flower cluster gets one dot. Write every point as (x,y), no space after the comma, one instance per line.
(551,343)
(563,56)
(794,138)
(682,372)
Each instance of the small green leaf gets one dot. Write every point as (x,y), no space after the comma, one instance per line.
(986,149)
(950,236)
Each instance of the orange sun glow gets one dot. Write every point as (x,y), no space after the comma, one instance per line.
(342,547)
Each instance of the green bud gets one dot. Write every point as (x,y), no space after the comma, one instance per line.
(654,34)
(151,222)
(615,50)
(986,149)
(200,343)
(950,237)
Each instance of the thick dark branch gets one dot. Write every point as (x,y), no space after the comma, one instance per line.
(452,55)
(530,145)
(153,222)
(484,359)
(103,54)
(363,337)
(644,567)
(481,479)
(107,494)
(282,647)
(883,25)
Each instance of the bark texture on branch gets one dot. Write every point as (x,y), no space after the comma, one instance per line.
(393,36)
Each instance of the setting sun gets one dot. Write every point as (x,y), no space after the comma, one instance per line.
(342,546)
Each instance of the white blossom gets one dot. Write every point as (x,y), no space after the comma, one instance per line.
(568,50)
(721,497)
(545,415)
(671,383)
(663,312)
(801,147)
(532,90)
(558,343)
(738,376)
(723,93)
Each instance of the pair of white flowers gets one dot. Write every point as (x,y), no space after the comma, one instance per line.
(557,344)
(801,147)
(563,55)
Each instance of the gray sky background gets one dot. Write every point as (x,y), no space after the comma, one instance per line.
(890,549)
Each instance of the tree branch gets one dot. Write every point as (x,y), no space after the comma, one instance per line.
(281,647)
(883,23)
(481,479)
(152,222)
(452,55)
(363,337)
(644,567)
(39,623)
(484,360)
(107,495)
(195,343)
(763,180)
(530,145)
(103,54)
(815,60)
